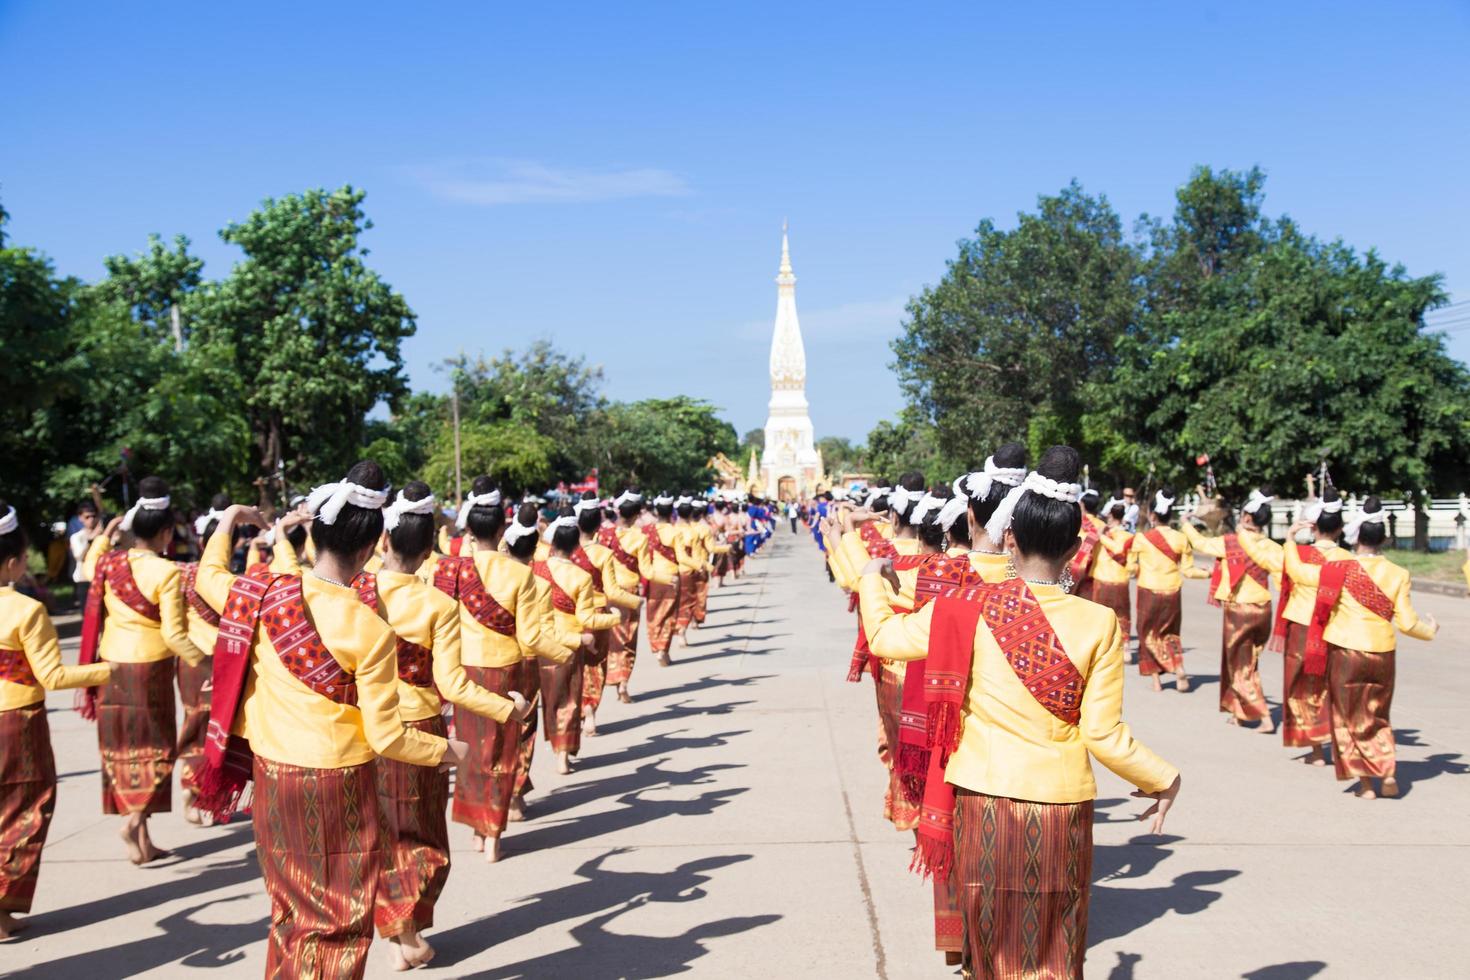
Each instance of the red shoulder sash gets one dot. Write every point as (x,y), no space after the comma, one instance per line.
(1156,538)
(196,601)
(559,599)
(459,579)
(655,542)
(15,667)
(1238,564)
(1346,574)
(1082,561)
(1121,556)
(608,536)
(878,546)
(112,573)
(1277,643)
(582,560)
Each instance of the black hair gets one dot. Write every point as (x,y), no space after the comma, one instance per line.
(566,538)
(524,547)
(1119,510)
(356,528)
(148,524)
(12,545)
(219,502)
(931,534)
(297,536)
(1010,456)
(86,507)
(630,509)
(591,517)
(1372,533)
(912,481)
(959,531)
(1045,526)
(414,535)
(1091,501)
(1329,523)
(483,520)
(685,509)
(1262,514)
(664,511)
(1167,491)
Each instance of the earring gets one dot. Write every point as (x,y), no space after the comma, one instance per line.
(1067,581)
(1011,572)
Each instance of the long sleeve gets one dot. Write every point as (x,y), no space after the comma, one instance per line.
(450,678)
(283,556)
(536,630)
(616,594)
(214,579)
(891,635)
(43,650)
(1187,567)
(587,615)
(1405,618)
(1209,547)
(174,621)
(376,675)
(1298,570)
(1107,737)
(689,563)
(1261,550)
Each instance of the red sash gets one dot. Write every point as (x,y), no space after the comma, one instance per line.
(456,545)
(582,560)
(1082,561)
(655,542)
(459,579)
(608,537)
(878,546)
(1156,538)
(1239,565)
(1121,557)
(912,759)
(274,603)
(191,595)
(1337,575)
(1030,645)
(1277,643)
(113,573)
(559,599)
(366,584)
(415,664)
(15,667)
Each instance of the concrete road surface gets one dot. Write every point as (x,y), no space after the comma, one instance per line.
(729,824)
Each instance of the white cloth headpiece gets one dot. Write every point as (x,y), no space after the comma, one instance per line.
(1355,523)
(517,530)
(9,522)
(144,503)
(663,500)
(628,497)
(327,500)
(926,503)
(1257,498)
(1036,483)
(977,485)
(954,508)
(394,511)
(582,506)
(1316,510)
(473,500)
(202,521)
(1162,503)
(560,522)
(900,500)
(1113,502)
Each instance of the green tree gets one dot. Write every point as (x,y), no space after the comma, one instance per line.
(907,445)
(839,455)
(661,443)
(154,283)
(516,455)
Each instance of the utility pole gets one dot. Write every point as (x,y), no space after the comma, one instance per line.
(458,478)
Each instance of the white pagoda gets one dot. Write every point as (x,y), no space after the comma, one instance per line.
(791,465)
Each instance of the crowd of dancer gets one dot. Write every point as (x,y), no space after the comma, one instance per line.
(333,664)
(994,618)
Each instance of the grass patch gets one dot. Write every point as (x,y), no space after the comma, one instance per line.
(1434,566)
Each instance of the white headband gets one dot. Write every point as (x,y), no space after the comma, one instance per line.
(9,522)
(954,508)
(1256,500)
(491,499)
(900,500)
(1162,503)
(202,521)
(402,506)
(144,503)
(1316,510)
(628,497)
(327,500)
(1036,483)
(1355,523)
(517,530)
(926,503)
(1113,502)
(582,506)
(555,525)
(663,500)
(977,484)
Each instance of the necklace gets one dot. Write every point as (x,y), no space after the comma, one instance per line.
(982,551)
(330,581)
(1043,581)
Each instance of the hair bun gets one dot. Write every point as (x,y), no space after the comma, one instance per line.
(366,473)
(1011,456)
(1372,505)
(415,490)
(1060,463)
(526,515)
(1329,494)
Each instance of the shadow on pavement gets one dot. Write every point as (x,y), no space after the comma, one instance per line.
(661,743)
(1300,970)
(1118,911)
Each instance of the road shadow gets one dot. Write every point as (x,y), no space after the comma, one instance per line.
(660,743)
(1118,911)
(1412,771)
(730,652)
(1298,970)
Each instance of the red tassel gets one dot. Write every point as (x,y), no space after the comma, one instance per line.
(944,729)
(913,769)
(933,858)
(856,667)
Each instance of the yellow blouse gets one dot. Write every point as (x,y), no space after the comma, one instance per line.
(286,721)
(660,569)
(853,556)
(613,593)
(1247,590)
(1271,556)
(578,585)
(515,587)
(1108,569)
(128,637)
(422,614)
(1013,747)
(690,548)
(25,626)
(202,633)
(1156,571)
(875,600)
(1352,626)
(635,543)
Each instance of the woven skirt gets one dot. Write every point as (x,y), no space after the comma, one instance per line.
(138,736)
(27,801)
(483,786)
(416,866)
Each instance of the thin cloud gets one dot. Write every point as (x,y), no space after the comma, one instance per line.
(501,182)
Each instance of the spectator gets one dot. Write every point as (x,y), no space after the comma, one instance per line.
(81,540)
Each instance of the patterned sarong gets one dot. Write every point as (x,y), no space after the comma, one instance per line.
(622,648)
(594,671)
(1306,717)
(530,679)
(1247,629)
(561,702)
(1024,872)
(688,602)
(27,801)
(319,842)
(416,839)
(1159,648)
(1115,596)
(484,785)
(662,606)
(196,720)
(138,736)
(1361,686)
(898,808)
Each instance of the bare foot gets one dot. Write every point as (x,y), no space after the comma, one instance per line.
(1390,787)
(477,842)
(416,949)
(623,694)
(1158,684)
(1268,727)
(663,659)
(492,850)
(1318,757)
(516,813)
(191,812)
(589,726)
(10,925)
(1231,720)
(396,956)
(1182,684)
(129,834)
(564,763)
(1365,789)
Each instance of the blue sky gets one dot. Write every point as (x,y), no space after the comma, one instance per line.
(614,176)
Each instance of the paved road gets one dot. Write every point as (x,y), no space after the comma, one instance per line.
(728,824)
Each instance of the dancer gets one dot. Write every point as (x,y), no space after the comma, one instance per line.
(631,564)
(305,698)
(1017,836)
(504,634)
(1086,559)
(430,673)
(692,568)
(1164,560)
(597,560)
(135,619)
(663,578)
(1306,715)
(30,665)
(573,599)
(1241,588)
(1360,602)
